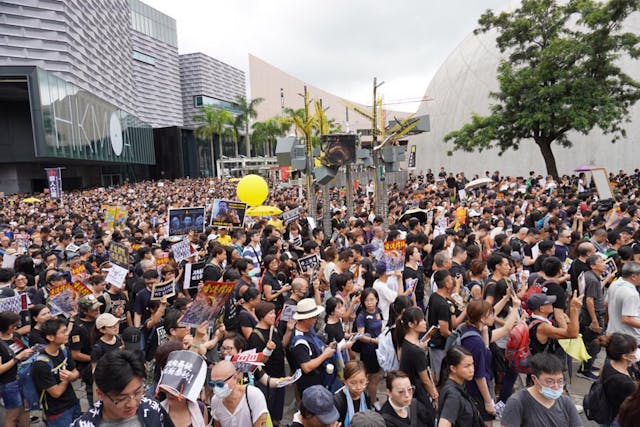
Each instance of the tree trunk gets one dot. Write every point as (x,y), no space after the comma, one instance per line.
(246,138)
(236,142)
(549,158)
(213,157)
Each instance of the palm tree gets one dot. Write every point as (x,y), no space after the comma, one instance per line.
(265,134)
(214,122)
(247,112)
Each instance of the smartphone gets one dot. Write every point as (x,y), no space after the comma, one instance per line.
(430,333)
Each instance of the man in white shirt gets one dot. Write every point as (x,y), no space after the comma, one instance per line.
(624,302)
(234,404)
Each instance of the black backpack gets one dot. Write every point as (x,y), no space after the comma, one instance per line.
(595,403)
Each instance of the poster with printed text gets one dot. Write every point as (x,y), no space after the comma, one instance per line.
(184,220)
(228,213)
(394,255)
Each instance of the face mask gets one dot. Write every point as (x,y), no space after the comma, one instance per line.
(551,393)
(222,392)
(37,262)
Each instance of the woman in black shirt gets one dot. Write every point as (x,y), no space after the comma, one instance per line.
(265,338)
(39,314)
(413,358)
(455,407)
(246,315)
(621,355)
(352,398)
(271,286)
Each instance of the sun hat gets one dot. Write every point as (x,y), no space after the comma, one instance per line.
(307,308)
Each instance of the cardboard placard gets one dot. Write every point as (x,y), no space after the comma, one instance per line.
(81,289)
(165,289)
(228,213)
(287,312)
(394,255)
(181,250)
(209,302)
(193,273)
(117,276)
(64,303)
(14,304)
(290,215)
(53,292)
(184,375)
(308,263)
(119,254)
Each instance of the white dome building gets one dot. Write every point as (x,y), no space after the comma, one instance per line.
(461,87)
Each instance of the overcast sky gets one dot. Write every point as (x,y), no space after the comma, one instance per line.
(336,45)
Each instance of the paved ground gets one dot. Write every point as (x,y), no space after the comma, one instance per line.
(578,387)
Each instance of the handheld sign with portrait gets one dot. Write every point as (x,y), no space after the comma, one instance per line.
(184,220)
(208,303)
(308,263)
(165,289)
(394,255)
(228,213)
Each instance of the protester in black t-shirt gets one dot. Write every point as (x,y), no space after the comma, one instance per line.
(53,373)
(82,339)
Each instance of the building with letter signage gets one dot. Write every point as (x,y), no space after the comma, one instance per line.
(95,88)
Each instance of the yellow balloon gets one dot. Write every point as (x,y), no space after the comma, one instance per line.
(253,190)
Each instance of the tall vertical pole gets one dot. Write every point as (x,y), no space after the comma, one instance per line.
(349,190)
(311,194)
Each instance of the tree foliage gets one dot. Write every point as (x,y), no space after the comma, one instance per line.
(248,111)
(214,121)
(560,73)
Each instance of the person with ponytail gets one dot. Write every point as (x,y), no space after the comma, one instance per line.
(479,317)
(455,406)
(352,398)
(413,359)
(615,376)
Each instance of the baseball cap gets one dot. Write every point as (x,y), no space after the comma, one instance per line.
(89,302)
(132,338)
(106,320)
(319,401)
(536,301)
(368,418)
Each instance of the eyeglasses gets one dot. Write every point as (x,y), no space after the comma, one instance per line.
(136,396)
(548,382)
(409,390)
(357,383)
(218,383)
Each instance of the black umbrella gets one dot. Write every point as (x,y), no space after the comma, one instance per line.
(420,214)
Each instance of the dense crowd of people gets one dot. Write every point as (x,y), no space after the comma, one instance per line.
(502,290)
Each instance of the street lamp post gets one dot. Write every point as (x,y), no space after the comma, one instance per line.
(381,207)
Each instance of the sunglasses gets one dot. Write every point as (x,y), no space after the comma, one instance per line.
(221,383)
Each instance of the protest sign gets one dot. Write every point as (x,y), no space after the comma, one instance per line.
(193,273)
(14,304)
(183,375)
(287,312)
(209,302)
(9,260)
(181,250)
(53,292)
(228,213)
(288,381)
(115,216)
(394,255)
(79,273)
(63,303)
(119,254)
(308,263)
(116,275)
(72,247)
(184,220)
(290,215)
(81,289)
(161,260)
(247,361)
(165,289)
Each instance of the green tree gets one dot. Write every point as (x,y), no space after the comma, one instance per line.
(265,133)
(560,74)
(215,122)
(247,112)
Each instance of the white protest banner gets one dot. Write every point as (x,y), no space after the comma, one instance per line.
(166,289)
(181,250)
(184,375)
(116,276)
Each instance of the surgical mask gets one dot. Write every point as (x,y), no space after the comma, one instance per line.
(551,393)
(37,262)
(222,392)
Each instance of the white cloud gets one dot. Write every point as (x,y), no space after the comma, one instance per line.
(337,45)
